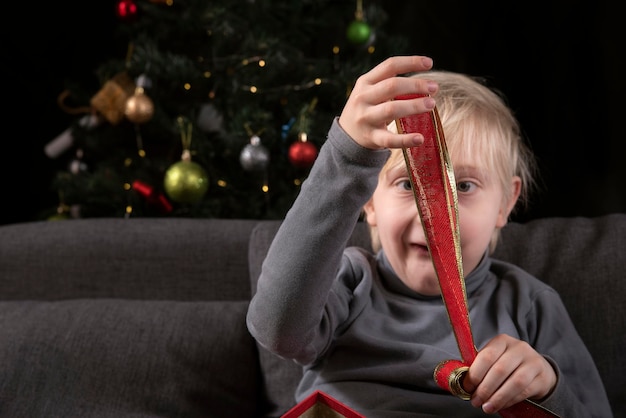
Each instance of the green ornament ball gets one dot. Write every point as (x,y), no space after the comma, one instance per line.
(186,182)
(358,32)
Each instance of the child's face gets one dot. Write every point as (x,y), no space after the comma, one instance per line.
(393,211)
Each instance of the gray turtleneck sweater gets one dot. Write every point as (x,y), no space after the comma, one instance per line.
(365,338)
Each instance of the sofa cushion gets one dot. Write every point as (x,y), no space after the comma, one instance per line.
(122,358)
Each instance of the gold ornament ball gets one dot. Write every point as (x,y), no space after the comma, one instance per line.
(139,108)
(186,182)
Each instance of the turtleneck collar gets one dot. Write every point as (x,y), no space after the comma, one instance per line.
(393,283)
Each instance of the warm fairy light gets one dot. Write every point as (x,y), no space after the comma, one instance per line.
(211,94)
(265,188)
(187,86)
(260,61)
(253,89)
(128,162)
(207,74)
(371,49)
(129,209)
(222,183)
(335,49)
(297,182)
(142,153)
(318,81)
(127,186)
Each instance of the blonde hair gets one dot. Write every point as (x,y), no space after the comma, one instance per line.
(477,122)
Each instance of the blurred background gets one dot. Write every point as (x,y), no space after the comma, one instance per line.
(560,66)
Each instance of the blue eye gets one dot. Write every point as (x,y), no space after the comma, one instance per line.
(406,184)
(465,186)
(403,185)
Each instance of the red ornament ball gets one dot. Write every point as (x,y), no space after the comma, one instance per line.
(126,9)
(302,154)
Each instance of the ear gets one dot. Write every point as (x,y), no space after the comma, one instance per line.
(509,204)
(370,213)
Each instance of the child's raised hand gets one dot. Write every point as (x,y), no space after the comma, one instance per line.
(370,107)
(507,371)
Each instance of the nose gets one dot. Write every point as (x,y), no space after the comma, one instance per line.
(417,227)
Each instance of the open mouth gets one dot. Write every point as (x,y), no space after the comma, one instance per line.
(421,249)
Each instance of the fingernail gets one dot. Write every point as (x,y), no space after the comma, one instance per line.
(429,103)
(432,86)
(417,140)
(488,408)
(427,62)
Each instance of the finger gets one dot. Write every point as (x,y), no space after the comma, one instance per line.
(486,373)
(397,65)
(509,378)
(408,107)
(387,90)
(534,378)
(515,389)
(485,358)
(388,139)
(392,110)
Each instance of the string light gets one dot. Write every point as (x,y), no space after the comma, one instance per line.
(262,63)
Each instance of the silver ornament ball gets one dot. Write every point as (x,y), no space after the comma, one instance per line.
(254,156)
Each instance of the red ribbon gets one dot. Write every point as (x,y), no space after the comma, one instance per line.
(152,196)
(434,186)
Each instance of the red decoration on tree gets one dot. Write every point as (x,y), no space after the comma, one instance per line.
(126,9)
(157,199)
(302,154)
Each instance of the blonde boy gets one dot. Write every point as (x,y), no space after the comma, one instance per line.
(370,328)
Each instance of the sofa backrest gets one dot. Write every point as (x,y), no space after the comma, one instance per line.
(137,258)
(584,259)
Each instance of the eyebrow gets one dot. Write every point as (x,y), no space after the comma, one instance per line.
(471,170)
(398,170)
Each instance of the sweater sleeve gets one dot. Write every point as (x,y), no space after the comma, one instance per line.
(288,314)
(579,391)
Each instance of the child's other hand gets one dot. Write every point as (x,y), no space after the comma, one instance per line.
(370,107)
(507,371)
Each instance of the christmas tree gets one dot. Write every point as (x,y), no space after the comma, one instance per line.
(213,109)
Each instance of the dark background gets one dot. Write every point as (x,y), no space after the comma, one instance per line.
(560,64)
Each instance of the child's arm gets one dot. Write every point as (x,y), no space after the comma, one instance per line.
(289,313)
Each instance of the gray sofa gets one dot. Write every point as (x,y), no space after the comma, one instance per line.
(146,317)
